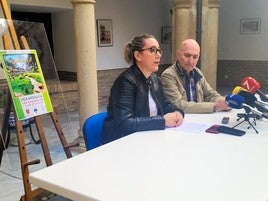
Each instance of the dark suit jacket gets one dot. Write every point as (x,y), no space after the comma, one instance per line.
(128,108)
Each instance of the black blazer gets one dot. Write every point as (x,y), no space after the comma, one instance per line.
(128,108)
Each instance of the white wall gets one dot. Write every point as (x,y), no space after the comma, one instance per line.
(236,46)
(129,18)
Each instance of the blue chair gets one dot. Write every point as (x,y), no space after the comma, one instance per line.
(92,130)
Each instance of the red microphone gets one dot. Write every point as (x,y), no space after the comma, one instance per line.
(253,86)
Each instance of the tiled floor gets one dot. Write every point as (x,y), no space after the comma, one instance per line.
(10,173)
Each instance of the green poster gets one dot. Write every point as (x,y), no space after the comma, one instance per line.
(26,83)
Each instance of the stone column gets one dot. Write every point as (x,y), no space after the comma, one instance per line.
(85,37)
(183,23)
(210,40)
(184,26)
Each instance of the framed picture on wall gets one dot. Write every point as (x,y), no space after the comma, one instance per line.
(105,32)
(166,34)
(250,26)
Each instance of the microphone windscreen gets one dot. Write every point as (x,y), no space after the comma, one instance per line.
(237,89)
(250,84)
(249,98)
(234,101)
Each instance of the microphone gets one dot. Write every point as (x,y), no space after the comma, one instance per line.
(251,100)
(253,86)
(234,101)
(237,102)
(237,89)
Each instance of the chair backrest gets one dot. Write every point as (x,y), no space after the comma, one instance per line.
(92,129)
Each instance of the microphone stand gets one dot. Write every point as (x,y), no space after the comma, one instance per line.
(247,117)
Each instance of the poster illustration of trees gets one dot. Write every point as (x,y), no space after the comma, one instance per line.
(26,83)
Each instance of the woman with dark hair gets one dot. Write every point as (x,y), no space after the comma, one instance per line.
(136,101)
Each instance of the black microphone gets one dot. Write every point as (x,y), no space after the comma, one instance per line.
(261,107)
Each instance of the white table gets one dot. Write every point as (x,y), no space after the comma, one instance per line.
(167,165)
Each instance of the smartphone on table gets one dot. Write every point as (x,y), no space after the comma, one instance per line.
(213,129)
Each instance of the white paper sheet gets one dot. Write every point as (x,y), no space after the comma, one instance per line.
(192,127)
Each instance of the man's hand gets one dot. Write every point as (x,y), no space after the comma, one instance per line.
(220,105)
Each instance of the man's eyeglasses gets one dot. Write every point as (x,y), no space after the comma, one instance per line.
(153,50)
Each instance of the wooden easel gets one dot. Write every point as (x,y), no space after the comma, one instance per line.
(29,193)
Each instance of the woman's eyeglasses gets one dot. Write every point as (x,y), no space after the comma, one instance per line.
(153,50)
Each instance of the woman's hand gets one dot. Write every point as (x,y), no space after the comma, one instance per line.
(173,119)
